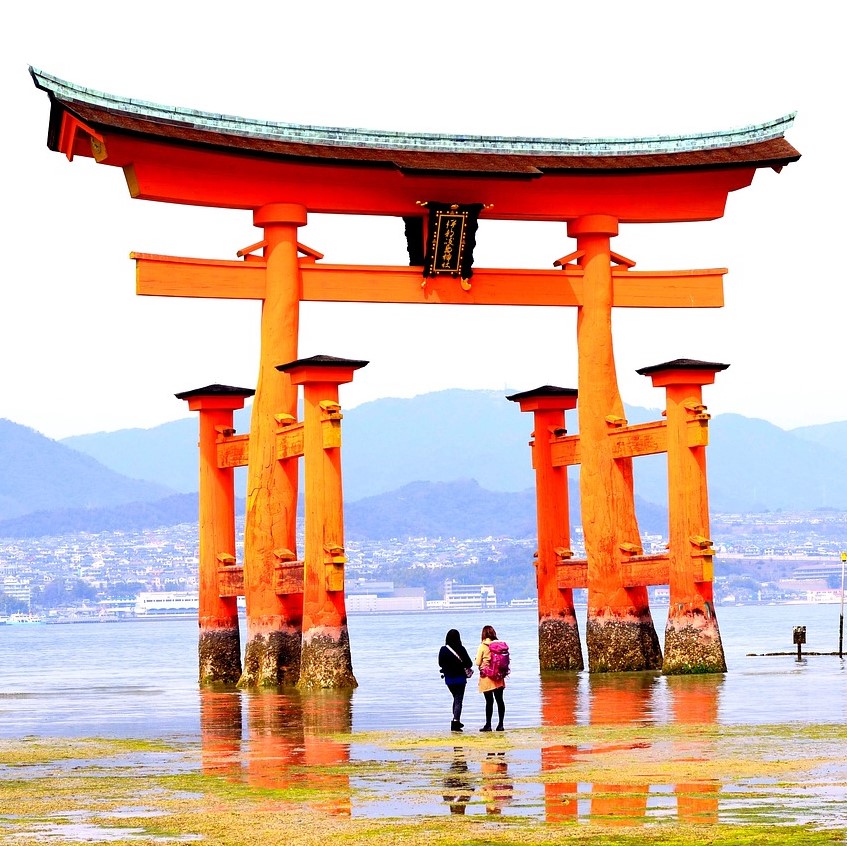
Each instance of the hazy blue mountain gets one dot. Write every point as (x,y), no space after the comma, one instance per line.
(387,443)
(459,508)
(833,436)
(462,434)
(165,454)
(463,509)
(449,509)
(437,437)
(39,474)
(135,516)
(754,466)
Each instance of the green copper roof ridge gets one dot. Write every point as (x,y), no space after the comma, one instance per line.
(417,142)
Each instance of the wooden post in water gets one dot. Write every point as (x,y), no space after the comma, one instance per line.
(220,645)
(325,658)
(620,635)
(274,620)
(559,647)
(692,638)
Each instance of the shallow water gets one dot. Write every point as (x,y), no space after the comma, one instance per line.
(138,680)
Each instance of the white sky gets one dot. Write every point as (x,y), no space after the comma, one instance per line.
(79,352)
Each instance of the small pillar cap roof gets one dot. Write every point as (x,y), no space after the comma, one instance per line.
(543,391)
(322,361)
(682,364)
(216,390)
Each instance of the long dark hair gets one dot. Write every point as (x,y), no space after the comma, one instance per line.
(453,638)
(488,633)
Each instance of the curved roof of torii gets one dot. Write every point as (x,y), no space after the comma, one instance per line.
(427,155)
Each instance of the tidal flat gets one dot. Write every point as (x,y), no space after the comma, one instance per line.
(672,784)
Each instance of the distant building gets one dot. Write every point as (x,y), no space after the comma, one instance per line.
(364,596)
(661,595)
(116,607)
(16,589)
(458,597)
(167,602)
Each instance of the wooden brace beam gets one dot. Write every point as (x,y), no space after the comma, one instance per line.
(169,276)
(636,571)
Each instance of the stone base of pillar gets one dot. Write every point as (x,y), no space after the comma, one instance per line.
(558,644)
(622,644)
(272,659)
(220,656)
(326,661)
(693,644)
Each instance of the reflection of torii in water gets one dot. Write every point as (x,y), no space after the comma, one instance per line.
(296,629)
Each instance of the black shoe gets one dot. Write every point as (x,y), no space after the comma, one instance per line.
(455,726)
(461,725)
(499,728)
(486,728)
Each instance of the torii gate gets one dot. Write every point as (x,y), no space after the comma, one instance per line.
(283,172)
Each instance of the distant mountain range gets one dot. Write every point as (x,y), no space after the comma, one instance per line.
(38,474)
(427,465)
(420,509)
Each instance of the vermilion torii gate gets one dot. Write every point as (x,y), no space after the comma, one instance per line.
(283,172)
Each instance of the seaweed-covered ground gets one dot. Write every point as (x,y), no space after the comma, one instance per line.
(678,784)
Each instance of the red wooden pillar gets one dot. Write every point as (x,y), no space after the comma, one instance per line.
(620,635)
(692,639)
(272,654)
(325,659)
(559,647)
(219,646)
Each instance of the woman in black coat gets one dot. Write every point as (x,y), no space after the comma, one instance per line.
(456,668)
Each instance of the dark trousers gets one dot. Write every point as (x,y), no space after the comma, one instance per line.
(458,691)
(490,697)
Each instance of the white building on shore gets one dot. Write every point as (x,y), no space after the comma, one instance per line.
(363,596)
(169,602)
(458,597)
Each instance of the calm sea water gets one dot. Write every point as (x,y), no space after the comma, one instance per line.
(138,679)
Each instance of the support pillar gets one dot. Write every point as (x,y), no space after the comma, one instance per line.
(692,638)
(620,634)
(559,646)
(325,660)
(219,645)
(272,654)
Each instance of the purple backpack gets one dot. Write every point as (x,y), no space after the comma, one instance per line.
(498,666)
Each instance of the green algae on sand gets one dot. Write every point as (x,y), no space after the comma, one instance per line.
(577,784)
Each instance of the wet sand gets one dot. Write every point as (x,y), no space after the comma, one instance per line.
(681,784)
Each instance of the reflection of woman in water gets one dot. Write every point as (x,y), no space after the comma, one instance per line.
(457,784)
(492,689)
(456,666)
(497,790)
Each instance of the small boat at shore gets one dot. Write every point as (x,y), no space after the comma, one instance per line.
(21,619)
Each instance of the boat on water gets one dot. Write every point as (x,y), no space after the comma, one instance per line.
(22,619)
